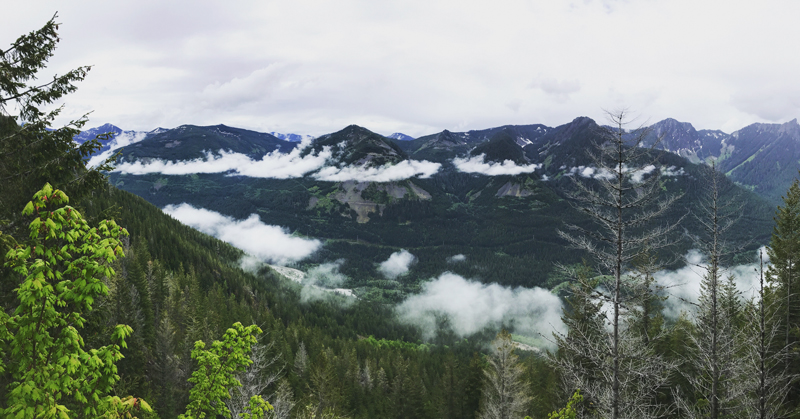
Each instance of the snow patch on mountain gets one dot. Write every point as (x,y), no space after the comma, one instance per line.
(399,136)
(295,138)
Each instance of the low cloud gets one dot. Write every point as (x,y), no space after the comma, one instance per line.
(471,306)
(397,264)
(326,275)
(637,175)
(477,164)
(268,243)
(683,285)
(672,171)
(275,165)
(389,173)
(322,281)
(456,258)
(123,139)
(591,172)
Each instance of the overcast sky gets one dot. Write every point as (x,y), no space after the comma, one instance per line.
(315,66)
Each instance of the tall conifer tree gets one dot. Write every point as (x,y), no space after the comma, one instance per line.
(784,252)
(782,275)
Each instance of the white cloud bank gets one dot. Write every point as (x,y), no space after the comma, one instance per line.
(471,306)
(397,264)
(389,173)
(477,164)
(637,175)
(277,165)
(266,242)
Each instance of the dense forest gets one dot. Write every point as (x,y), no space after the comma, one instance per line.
(110,308)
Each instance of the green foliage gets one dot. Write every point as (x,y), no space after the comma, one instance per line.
(396,344)
(373,194)
(61,269)
(215,374)
(568,412)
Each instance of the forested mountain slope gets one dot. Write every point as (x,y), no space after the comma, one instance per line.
(176,286)
(504,224)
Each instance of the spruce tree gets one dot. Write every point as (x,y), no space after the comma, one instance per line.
(783,253)
(31,153)
(782,275)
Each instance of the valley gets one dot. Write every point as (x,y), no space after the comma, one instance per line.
(497,196)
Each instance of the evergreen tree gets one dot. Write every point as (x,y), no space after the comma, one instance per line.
(766,380)
(30,153)
(784,276)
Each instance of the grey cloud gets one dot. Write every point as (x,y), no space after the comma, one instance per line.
(558,89)
(256,86)
(306,66)
(773,103)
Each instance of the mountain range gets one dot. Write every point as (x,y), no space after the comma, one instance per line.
(496,197)
(764,158)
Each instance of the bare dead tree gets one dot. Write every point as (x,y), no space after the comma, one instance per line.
(615,368)
(301,360)
(714,358)
(283,402)
(505,392)
(255,380)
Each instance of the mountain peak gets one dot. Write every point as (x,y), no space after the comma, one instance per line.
(673,128)
(358,145)
(501,146)
(582,120)
(399,136)
(792,128)
(672,123)
(91,133)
